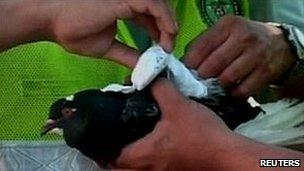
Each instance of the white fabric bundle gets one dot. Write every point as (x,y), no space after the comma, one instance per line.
(151,63)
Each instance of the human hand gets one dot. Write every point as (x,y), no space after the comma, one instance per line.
(245,55)
(189,136)
(88,28)
(186,130)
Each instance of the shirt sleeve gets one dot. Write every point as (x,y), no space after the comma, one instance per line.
(279,11)
(283,12)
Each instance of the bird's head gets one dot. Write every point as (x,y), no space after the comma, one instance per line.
(60,112)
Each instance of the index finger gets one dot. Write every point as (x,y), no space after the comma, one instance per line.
(165,21)
(204,45)
(162,15)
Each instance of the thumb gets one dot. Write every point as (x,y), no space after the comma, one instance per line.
(167,96)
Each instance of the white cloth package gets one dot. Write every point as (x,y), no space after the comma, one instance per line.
(151,63)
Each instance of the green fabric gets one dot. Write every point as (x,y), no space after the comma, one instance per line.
(124,34)
(32,76)
(190,24)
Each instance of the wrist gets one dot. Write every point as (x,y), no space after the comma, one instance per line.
(238,155)
(294,39)
(219,155)
(245,154)
(288,53)
(237,152)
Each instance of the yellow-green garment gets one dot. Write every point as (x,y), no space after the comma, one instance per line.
(32,76)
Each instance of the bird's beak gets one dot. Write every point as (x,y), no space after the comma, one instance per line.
(49,125)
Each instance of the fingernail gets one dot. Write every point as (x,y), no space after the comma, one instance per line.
(176,26)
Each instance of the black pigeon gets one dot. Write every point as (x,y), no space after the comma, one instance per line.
(100,124)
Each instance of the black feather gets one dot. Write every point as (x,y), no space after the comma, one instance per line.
(105,122)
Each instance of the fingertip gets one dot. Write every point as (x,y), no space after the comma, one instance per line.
(240,92)
(187,59)
(170,25)
(206,72)
(235,92)
(176,28)
(227,80)
(166,41)
(171,28)
(164,17)
(193,55)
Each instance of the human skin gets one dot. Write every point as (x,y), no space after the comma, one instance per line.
(84,27)
(179,140)
(190,136)
(245,55)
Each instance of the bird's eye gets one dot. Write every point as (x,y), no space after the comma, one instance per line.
(67,112)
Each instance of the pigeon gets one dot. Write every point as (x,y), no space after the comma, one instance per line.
(100,124)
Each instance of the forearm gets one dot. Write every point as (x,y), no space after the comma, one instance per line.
(23,21)
(245,154)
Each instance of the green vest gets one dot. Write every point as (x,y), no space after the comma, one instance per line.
(32,76)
